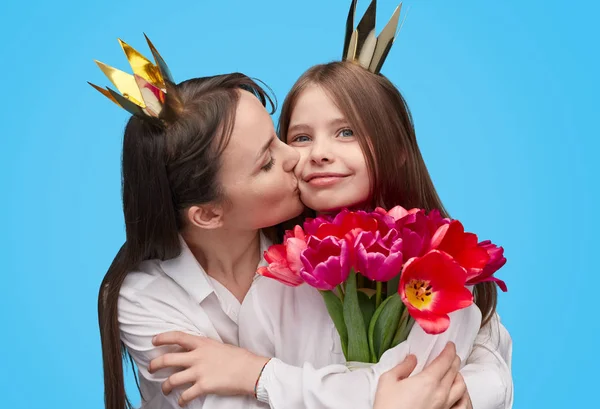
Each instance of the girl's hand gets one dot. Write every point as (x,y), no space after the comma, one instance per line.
(438,386)
(208,366)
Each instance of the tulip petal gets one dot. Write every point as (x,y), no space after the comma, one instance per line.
(397,212)
(294,247)
(275,254)
(449,300)
(431,323)
(435,266)
(499,282)
(284,276)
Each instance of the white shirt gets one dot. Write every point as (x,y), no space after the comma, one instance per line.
(176,295)
(292,323)
(309,372)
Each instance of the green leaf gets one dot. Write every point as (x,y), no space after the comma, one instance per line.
(367,306)
(408,324)
(386,324)
(336,312)
(374,343)
(358,347)
(401,333)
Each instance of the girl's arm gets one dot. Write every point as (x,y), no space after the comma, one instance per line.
(487,372)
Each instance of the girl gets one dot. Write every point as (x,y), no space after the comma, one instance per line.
(357,149)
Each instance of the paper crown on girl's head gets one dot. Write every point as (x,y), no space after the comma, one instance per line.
(143,93)
(362,46)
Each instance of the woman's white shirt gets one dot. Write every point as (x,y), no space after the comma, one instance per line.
(176,295)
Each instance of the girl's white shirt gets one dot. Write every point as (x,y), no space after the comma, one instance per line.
(291,325)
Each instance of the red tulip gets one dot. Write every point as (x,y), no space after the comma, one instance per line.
(497,260)
(480,260)
(347,225)
(432,286)
(452,239)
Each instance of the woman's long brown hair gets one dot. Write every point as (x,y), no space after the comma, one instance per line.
(382,122)
(167,166)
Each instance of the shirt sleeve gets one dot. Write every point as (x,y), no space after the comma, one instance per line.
(487,371)
(335,386)
(140,319)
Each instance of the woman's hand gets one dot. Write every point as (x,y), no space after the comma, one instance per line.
(208,366)
(465,400)
(438,386)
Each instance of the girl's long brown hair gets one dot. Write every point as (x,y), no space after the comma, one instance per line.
(381,119)
(167,166)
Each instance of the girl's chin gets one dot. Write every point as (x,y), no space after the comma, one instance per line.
(323,206)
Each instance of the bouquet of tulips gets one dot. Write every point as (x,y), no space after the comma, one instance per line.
(425,261)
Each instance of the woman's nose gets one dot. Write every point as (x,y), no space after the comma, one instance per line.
(291,157)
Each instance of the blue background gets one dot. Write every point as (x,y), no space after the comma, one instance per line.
(504,96)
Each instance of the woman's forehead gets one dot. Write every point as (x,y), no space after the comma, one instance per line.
(253,127)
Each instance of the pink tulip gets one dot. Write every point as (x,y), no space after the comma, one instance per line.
(378,258)
(284,259)
(326,263)
(279,267)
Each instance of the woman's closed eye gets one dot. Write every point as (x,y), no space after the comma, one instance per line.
(269,165)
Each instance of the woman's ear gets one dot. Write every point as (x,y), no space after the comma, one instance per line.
(206,216)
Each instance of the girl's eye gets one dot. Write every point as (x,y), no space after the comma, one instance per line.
(346,133)
(300,138)
(269,165)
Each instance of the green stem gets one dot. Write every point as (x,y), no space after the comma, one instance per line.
(379,286)
(341,292)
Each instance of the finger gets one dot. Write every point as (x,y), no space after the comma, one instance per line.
(178,379)
(405,368)
(442,363)
(450,376)
(457,391)
(175,359)
(182,339)
(190,394)
(463,403)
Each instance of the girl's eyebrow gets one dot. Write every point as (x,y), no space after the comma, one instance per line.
(298,127)
(338,122)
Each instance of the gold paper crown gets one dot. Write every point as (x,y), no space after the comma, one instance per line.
(362,46)
(142,93)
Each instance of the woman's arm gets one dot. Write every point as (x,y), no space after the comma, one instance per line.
(438,386)
(138,325)
(334,386)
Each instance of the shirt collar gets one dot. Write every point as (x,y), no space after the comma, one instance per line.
(189,274)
